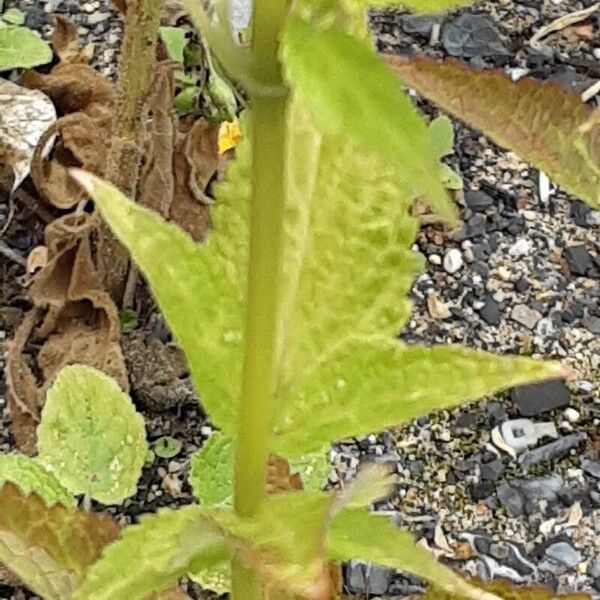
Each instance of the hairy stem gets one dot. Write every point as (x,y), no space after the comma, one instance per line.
(264,283)
(124,158)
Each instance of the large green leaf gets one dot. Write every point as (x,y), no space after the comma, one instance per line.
(356,534)
(366,107)
(153,555)
(22,48)
(49,548)
(372,385)
(200,289)
(284,543)
(90,436)
(541,121)
(30,477)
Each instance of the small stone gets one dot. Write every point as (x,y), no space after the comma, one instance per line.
(578,259)
(534,399)
(482,490)
(552,450)
(579,212)
(571,415)
(521,313)
(563,553)
(418,25)
(362,578)
(591,323)
(522,285)
(434,259)
(471,36)
(591,467)
(453,260)
(475,226)
(520,248)
(490,312)
(512,499)
(478,201)
(491,471)
(544,327)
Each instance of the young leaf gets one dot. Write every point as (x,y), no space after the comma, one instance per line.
(175,42)
(200,289)
(442,136)
(90,436)
(22,48)
(376,115)
(540,121)
(30,477)
(356,534)
(13,16)
(211,475)
(401,383)
(50,549)
(157,552)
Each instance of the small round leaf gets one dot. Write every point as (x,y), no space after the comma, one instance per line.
(167,447)
(90,435)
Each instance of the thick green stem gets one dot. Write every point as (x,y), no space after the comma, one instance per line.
(264,283)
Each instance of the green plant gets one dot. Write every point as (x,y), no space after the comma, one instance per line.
(20,47)
(288,315)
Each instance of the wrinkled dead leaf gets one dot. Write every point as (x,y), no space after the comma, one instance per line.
(156,177)
(280,478)
(37,259)
(201,151)
(24,116)
(437,309)
(81,142)
(65,42)
(73,321)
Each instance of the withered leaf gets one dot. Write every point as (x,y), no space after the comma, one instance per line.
(201,151)
(24,116)
(50,548)
(65,42)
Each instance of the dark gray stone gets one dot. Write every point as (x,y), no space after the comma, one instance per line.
(470,36)
(419,25)
(518,493)
(591,323)
(592,468)
(490,312)
(552,450)
(535,399)
(475,226)
(477,200)
(578,259)
(491,471)
(564,554)
(511,498)
(364,578)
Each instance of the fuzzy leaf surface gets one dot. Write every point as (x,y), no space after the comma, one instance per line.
(165,546)
(199,289)
(284,543)
(540,121)
(375,115)
(50,549)
(371,386)
(356,534)
(30,477)
(22,48)
(90,436)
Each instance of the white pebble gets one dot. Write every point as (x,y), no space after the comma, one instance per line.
(571,415)
(453,260)
(520,248)
(435,259)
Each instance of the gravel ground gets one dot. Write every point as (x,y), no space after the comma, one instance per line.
(521,276)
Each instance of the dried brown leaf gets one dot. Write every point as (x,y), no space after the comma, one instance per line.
(80,142)
(156,178)
(74,321)
(65,42)
(201,150)
(545,124)
(50,548)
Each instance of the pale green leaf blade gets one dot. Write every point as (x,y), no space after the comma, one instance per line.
(370,386)
(22,48)
(313,468)
(442,136)
(450,179)
(211,475)
(199,289)
(30,477)
(356,534)
(153,555)
(540,121)
(376,115)
(175,42)
(50,549)
(350,266)
(90,436)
